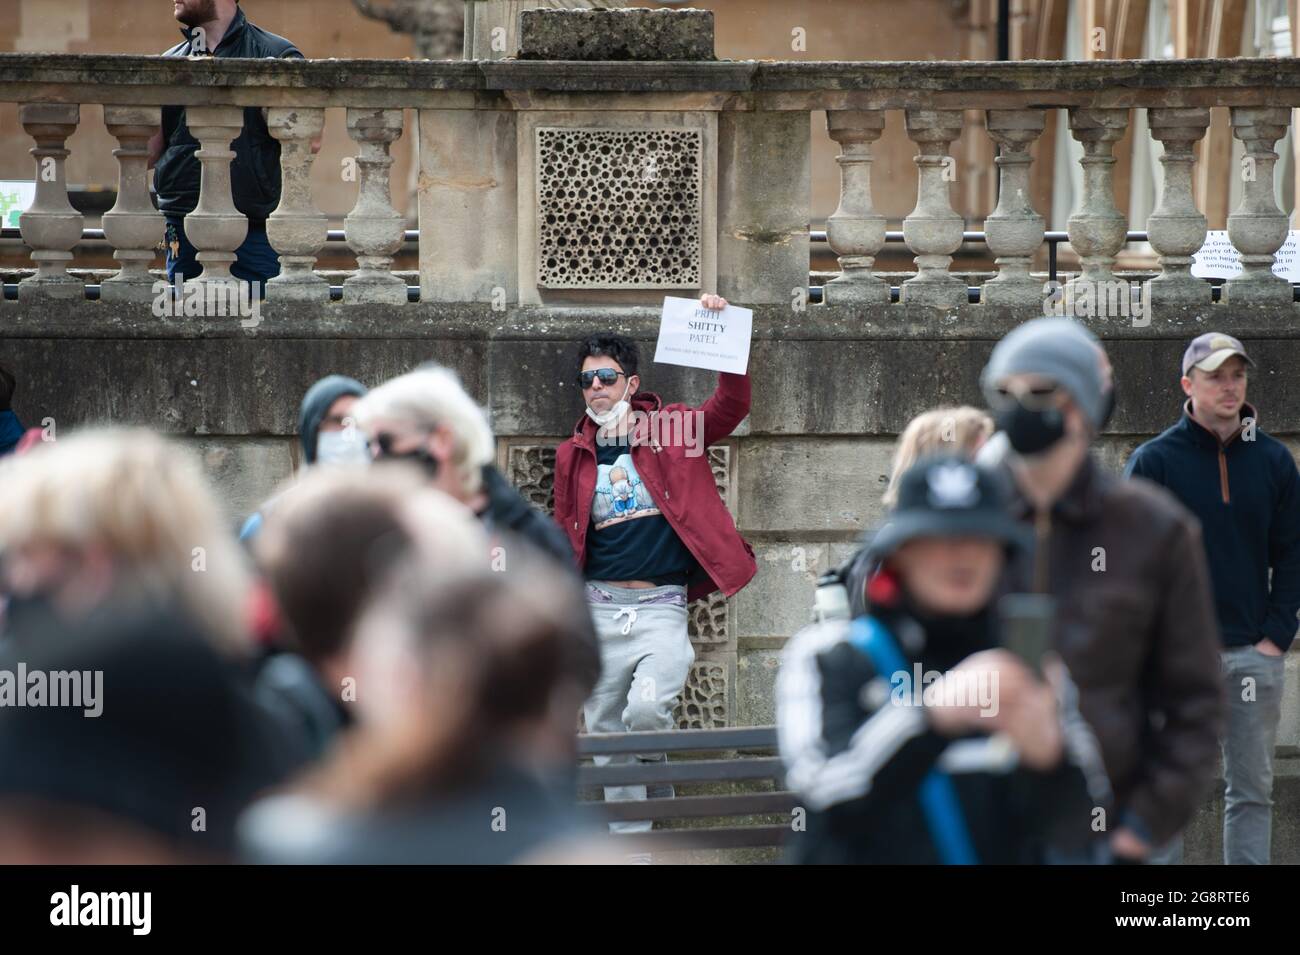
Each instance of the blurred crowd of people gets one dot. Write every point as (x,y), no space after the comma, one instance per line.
(387,662)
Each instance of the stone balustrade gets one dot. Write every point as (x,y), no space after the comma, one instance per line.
(715,157)
(573,183)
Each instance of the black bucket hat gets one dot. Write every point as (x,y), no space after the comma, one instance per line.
(949,496)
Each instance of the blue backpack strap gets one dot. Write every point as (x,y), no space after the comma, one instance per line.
(937,794)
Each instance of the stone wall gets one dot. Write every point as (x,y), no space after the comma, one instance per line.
(803,474)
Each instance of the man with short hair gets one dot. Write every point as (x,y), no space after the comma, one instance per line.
(1123,560)
(1242,485)
(218,28)
(636,496)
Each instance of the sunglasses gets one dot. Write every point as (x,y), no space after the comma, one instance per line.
(385,444)
(607,376)
(1032,397)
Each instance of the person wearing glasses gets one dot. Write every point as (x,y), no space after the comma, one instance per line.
(426,417)
(1135,621)
(636,496)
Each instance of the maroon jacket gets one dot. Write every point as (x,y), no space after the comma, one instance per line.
(683,487)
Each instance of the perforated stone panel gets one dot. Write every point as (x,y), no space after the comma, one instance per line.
(703,703)
(532,472)
(707,623)
(618,208)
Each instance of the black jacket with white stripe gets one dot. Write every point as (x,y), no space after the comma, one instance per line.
(857,757)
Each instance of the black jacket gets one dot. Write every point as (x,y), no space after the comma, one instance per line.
(255,170)
(508,511)
(1135,625)
(1246,493)
(857,758)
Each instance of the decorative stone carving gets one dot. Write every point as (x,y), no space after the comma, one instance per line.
(296,229)
(855,231)
(215,227)
(618,208)
(1014,230)
(532,472)
(1098,229)
(50,226)
(373,228)
(132,226)
(933,230)
(1257,227)
(707,623)
(703,703)
(1175,228)
(720,464)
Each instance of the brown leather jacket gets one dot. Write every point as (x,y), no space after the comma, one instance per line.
(1139,637)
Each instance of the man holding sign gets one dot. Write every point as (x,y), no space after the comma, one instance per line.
(636,495)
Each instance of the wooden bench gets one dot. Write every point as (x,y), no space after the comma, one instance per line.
(754,761)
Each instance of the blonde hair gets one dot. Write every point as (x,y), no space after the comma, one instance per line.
(954,430)
(147,505)
(430,397)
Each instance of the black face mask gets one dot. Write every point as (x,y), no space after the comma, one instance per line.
(1031,432)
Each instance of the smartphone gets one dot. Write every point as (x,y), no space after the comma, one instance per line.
(1026,621)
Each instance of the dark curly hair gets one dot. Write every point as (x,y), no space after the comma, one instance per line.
(622,350)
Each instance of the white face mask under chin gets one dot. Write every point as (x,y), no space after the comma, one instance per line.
(613,414)
(341,447)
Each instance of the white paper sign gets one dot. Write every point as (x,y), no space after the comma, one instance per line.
(698,337)
(1219,259)
(15,198)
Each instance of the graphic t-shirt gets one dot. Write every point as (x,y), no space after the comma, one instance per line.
(628,538)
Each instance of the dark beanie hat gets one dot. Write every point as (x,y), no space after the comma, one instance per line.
(176,730)
(316,403)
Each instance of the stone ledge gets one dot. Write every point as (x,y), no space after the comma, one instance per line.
(473,321)
(118,78)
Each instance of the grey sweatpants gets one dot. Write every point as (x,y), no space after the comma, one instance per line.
(645,656)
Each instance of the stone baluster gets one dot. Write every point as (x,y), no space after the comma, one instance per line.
(933,230)
(1257,227)
(374,228)
(1014,231)
(50,227)
(296,229)
(133,227)
(1097,229)
(215,227)
(855,231)
(1176,229)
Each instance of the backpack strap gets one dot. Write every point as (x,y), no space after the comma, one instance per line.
(938,796)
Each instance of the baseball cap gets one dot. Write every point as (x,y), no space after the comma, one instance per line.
(948,496)
(1207,352)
